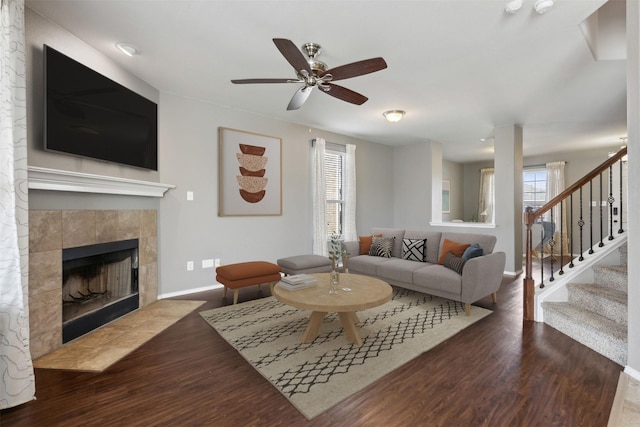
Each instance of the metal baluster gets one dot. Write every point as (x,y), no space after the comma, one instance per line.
(611,200)
(581,225)
(541,259)
(590,217)
(551,245)
(620,230)
(561,272)
(571,265)
(601,244)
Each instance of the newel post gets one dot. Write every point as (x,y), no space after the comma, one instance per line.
(529,286)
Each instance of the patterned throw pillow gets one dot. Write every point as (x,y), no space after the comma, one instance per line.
(454,263)
(381,246)
(414,249)
(455,248)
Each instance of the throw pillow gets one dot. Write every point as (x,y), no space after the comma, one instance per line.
(381,246)
(414,249)
(454,263)
(472,251)
(455,248)
(365,243)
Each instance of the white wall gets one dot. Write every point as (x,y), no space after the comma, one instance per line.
(412,186)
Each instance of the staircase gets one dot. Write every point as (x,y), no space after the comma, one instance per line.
(595,314)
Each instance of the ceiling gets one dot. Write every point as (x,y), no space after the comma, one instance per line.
(459,68)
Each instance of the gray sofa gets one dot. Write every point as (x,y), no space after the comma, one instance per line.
(481,276)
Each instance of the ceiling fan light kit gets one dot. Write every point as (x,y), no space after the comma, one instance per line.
(513,7)
(542,6)
(313,73)
(394,116)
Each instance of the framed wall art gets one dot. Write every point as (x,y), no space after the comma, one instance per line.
(250,173)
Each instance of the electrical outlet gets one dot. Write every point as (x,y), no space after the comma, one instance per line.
(217,262)
(189,265)
(189,195)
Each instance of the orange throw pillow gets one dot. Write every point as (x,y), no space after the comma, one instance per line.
(455,248)
(365,243)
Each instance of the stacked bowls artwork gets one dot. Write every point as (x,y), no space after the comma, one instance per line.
(251,179)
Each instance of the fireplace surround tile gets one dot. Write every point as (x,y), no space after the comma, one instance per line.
(78,228)
(129,224)
(106,226)
(50,232)
(45,230)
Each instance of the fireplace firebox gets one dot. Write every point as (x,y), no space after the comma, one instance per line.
(99,284)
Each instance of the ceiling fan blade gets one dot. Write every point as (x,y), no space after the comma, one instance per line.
(354,69)
(345,94)
(299,97)
(246,81)
(292,54)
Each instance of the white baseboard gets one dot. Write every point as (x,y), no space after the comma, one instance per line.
(632,373)
(190,291)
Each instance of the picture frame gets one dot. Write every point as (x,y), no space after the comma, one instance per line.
(249,173)
(446,196)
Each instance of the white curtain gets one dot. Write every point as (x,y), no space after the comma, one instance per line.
(555,186)
(318,194)
(17,381)
(349,234)
(486,203)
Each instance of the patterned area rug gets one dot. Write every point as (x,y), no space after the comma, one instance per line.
(317,375)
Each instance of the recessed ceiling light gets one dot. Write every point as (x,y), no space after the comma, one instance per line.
(127,49)
(513,6)
(541,6)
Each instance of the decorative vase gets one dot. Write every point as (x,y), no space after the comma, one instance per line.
(334,282)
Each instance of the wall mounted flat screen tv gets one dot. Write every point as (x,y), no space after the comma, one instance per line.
(90,115)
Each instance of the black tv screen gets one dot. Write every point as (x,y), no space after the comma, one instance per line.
(90,115)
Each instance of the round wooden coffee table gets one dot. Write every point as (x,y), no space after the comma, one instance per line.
(366,292)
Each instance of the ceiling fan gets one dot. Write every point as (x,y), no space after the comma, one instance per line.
(313,73)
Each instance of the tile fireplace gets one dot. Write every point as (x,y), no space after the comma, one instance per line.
(55,236)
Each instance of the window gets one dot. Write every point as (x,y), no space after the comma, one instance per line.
(334,174)
(534,187)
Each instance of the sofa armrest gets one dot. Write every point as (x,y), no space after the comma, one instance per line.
(482,276)
(351,248)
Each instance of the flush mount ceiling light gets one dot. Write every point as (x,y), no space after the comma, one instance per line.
(541,6)
(127,49)
(393,116)
(513,6)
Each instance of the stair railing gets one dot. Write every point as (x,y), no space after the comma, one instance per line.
(567,198)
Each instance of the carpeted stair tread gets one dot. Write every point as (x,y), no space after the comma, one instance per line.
(614,276)
(608,302)
(603,335)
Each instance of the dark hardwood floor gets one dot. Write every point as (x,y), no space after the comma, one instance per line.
(501,371)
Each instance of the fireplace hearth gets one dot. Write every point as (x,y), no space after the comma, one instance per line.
(100,284)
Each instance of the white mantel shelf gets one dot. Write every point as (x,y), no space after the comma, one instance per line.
(60,180)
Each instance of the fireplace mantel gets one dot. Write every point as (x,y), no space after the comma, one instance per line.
(60,180)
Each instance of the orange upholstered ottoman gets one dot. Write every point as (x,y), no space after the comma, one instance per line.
(236,276)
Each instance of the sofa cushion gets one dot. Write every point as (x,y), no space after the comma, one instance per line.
(392,232)
(414,249)
(454,263)
(433,242)
(365,264)
(398,270)
(381,246)
(438,278)
(472,251)
(454,247)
